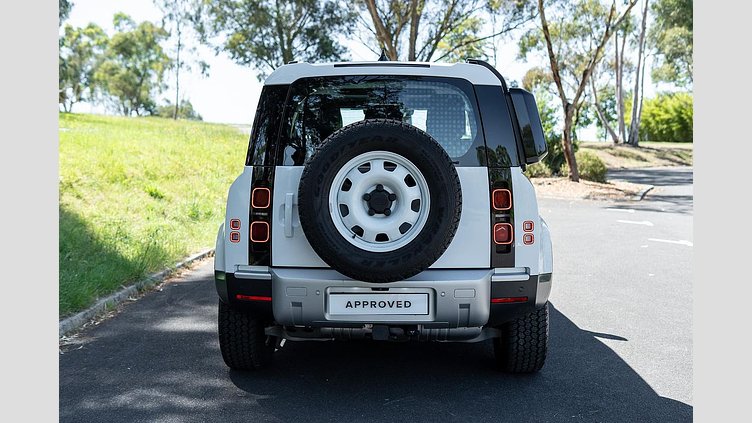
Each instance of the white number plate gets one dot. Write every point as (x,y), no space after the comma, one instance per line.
(378,304)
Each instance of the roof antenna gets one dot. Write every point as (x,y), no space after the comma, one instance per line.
(383,57)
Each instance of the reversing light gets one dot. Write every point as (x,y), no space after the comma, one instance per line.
(502,199)
(507,300)
(503,233)
(261,198)
(259,231)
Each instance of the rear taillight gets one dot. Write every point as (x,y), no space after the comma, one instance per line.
(501,199)
(503,233)
(261,198)
(259,231)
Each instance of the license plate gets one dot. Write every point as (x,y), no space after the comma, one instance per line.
(378,304)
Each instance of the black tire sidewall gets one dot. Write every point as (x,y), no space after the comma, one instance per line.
(414,145)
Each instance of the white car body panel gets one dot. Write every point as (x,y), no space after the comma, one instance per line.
(478,75)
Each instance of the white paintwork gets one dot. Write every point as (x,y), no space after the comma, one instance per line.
(476,74)
(219,249)
(546,256)
(526,208)
(470,247)
(238,204)
(289,251)
(637,222)
(669,241)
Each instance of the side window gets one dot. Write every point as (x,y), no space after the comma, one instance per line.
(501,144)
(264,135)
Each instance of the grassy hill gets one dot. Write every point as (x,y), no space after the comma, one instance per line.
(649,154)
(137,194)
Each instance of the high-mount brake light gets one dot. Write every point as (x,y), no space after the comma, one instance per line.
(261,197)
(502,199)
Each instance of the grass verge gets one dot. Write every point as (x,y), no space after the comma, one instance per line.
(136,195)
(648,154)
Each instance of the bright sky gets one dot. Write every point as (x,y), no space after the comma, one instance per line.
(230,93)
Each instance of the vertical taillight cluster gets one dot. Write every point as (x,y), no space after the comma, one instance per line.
(502,218)
(261,200)
(501,200)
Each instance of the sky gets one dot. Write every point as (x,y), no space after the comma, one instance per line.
(230,93)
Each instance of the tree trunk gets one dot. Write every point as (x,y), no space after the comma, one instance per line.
(566,141)
(601,115)
(619,61)
(382,35)
(414,25)
(634,126)
(177,73)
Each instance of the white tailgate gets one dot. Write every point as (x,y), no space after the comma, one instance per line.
(470,248)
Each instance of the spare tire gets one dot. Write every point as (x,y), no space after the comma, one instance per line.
(379,200)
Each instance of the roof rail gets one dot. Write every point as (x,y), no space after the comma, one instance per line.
(492,69)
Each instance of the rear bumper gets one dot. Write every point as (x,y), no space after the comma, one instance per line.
(458,298)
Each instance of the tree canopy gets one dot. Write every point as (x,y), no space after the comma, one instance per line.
(134,65)
(265,34)
(671,37)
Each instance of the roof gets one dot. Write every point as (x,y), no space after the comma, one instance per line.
(476,74)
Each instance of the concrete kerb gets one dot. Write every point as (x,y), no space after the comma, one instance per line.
(76,321)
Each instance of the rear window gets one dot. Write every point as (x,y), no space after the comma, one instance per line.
(444,107)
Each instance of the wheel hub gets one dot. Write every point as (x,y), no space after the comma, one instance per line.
(379,201)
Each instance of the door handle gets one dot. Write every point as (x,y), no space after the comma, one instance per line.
(288,215)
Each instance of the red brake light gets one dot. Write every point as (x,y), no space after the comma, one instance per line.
(259,231)
(252,297)
(502,199)
(261,198)
(506,300)
(503,233)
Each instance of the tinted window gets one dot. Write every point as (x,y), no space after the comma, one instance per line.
(265,131)
(497,124)
(445,108)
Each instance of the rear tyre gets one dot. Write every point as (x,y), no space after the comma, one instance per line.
(523,345)
(242,340)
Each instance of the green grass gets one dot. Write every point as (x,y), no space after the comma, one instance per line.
(137,194)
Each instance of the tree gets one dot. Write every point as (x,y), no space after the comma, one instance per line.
(178,18)
(426,30)
(574,42)
(185,111)
(266,34)
(80,53)
(64,8)
(132,73)
(671,38)
(639,80)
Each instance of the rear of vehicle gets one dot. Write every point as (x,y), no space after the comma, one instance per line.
(386,201)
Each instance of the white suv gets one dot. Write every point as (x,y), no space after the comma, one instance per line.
(386,201)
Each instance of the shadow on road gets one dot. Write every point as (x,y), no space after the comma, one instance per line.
(583,379)
(160,361)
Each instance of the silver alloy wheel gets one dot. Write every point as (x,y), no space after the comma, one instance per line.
(379,201)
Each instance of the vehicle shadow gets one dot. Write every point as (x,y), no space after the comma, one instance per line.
(365,381)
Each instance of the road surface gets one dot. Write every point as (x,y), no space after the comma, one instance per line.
(620,347)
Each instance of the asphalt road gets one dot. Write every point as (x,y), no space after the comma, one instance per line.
(620,346)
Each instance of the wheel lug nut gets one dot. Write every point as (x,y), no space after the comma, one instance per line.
(371,212)
(367,197)
(387,212)
(392,197)
(379,187)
